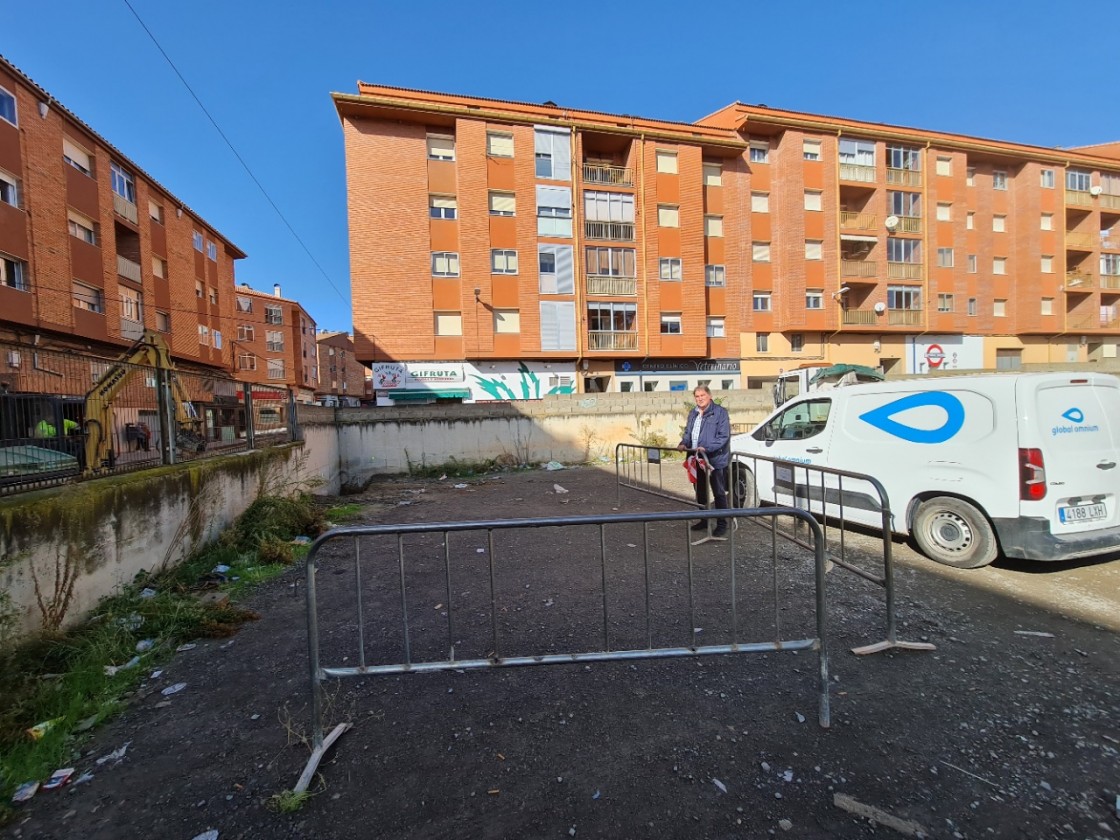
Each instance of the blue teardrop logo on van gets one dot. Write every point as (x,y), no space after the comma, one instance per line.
(880,417)
(1074,415)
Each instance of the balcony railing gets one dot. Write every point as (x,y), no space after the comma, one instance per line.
(128,269)
(603,285)
(1079,281)
(904,177)
(1109,323)
(123,207)
(857,172)
(1110,241)
(616,231)
(904,271)
(1110,202)
(909,224)
(1079,197)
(858,268)
(605,340)
(614,176)
(904,317)
(1110,281)
(1077,239)
(858,317)
(131,330)
(854,220)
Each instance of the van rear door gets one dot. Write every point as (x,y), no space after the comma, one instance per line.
(1077,423)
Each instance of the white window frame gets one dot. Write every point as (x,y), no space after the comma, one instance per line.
(944,257)
(445,263)
(970,221)
(797,342)
(814,201)
(503,261)
(6,97)
(945,302)
(999,179)
(671,323)
(77,156)
(9,189)
(246,332)
(810,149)
(814,298)
(274,341)
(972,307)
(715,276)
(762,342)
(211,251)
(716,327)
(713,226)
(1046,179)
(999,308)
(275,368)
(762,302)
(499,144)
(760,252)
(944,212)
(159,267)
(197,241)
(670,268)
(999,223)
(1046,306)
(507,321)
(814,249)
(999,266)
(760,202)
(447,324)
(972,264)
(89,298)
(443,207)
(122,182)
(273,314)
(944,166)
(668,215)
(502,203)
(666,162)
(713,174)
(163,321)
(759,151)
(1046,264)
(81,227)
(1046,221)
(443,147)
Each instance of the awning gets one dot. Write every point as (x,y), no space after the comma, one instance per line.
(417,394)
(855,237)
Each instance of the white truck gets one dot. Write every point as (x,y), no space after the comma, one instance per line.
(1026,464)
(791,383)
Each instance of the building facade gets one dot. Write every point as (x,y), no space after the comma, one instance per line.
(93,250)
(343,380)
(274,342)
(501,249)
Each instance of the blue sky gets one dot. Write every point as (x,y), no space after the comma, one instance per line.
(991,68)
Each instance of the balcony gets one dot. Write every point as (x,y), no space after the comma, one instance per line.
(904,317)
(858,317)
(904,177)
(1079,198)
(125,208)
(1110,282)
(128,269)
(857,172)
(614,231)
(131,330)
(1110,202)
(614,286)
(1109,323)
(858,268)
(605,340)
(1079,282)
(904,271)
(854,220)
(1080,241)
(611,176)
(909,224)
(1110,241)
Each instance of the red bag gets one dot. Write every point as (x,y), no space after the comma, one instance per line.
(690,467)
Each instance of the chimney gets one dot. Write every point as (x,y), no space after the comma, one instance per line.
(276,289)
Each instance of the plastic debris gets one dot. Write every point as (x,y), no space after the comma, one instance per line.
(116,755)
(595,795)
(220,569)
(58,778)
(24,792)
(800,717)
(155,675)
(212,834)
(40,729)
(558,489)
(302,541)
(788,776)
(480,550)
(131,622)
(1039,633)
(460,486)
(187,646)
(87,724)
(173,689)
(144,645)
(553,466)
(111,670)
(722,787)
(148,592)
(82,779)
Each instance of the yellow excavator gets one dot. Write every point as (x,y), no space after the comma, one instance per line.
(149,351)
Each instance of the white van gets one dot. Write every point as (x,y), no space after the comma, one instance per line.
(1023,463)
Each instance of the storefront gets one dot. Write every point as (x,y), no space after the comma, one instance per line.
(676,375)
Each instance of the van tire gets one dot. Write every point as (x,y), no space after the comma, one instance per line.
(744,491)
(955,533)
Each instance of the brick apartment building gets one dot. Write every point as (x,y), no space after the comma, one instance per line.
(93,250)
(503,249)
(274,342)
(343,380)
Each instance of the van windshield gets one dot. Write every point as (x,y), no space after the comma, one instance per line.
(804,420)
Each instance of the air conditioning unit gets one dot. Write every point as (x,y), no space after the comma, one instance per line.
(14,358)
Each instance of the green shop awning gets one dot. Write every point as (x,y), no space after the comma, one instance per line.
(416,394)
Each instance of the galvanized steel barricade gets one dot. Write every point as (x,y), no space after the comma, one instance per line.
(819,490)
(640,467)
(393,563)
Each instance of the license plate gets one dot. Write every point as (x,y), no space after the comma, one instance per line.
(1082,513)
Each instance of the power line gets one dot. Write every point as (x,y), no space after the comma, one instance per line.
(237,154)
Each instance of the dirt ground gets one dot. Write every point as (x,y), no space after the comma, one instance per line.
(1008,729)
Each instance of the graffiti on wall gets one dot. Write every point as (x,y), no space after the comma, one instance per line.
(528,386)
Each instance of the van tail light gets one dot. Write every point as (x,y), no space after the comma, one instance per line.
(1032,475)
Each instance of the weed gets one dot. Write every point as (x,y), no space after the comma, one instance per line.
(288,801)
(341,513)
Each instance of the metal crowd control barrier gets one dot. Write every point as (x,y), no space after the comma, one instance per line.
(392,561)
(828,501)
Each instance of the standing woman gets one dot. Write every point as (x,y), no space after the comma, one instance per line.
(708,430)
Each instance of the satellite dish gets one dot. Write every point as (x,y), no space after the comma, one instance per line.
(1096,190)
(892,222)
(880,308)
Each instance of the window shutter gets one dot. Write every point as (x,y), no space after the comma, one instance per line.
(503,203)
(548,326)
(565,271)
(560,197)
(76,154)
(547,279)
(501,145)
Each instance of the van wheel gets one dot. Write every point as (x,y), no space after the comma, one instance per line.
(953,532)
(744,493)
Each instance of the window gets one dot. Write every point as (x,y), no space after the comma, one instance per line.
(246,361)
(213,296)
(1047,306)
(813,249)
(246,332)
(944,257)
(441,147)
(715,275)
(999,179)
(762,342)
(204,334)
(904,157)
(443,207)
(611,262)
(163,321)
(1046,222)
(1009,359)
(122,182)
(274,340)
(8,106)
(155,212)
(196,238)
(972,306)
(445,264)
(671,323)
(970,221)
(1078,180)
(904,250)
(669,268)
(999,265)
(713,174)
(1046,179)
(9,190)
(87,297)
(812,200)
(668,215)
(503,261)
(944,303)
(612,317)
(999,224)
(554,211)
(760,151)
(857,152)
(999,308)
(557,272)
(944,166)
(244,304)
(760,202)
(273,314)
(811,149)
(970,176)
(199,289)
(217,339)
(972,269)
(275,369)
(602,206)
(81,227)
(944,212)
(760,251)
(814,298)
(449,323)
(159,268)
(796,343)
(906,204)
(761,301)
(132,305)
(713,225)
(211,250)
(76,156)
(715,328)
(1110,264)
(904,297)
(558,325)
(499,145)
(507,321)
(1047,264)
(553,153)
(502,204)
(666,162)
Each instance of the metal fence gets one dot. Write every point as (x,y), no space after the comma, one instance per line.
(66,416)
